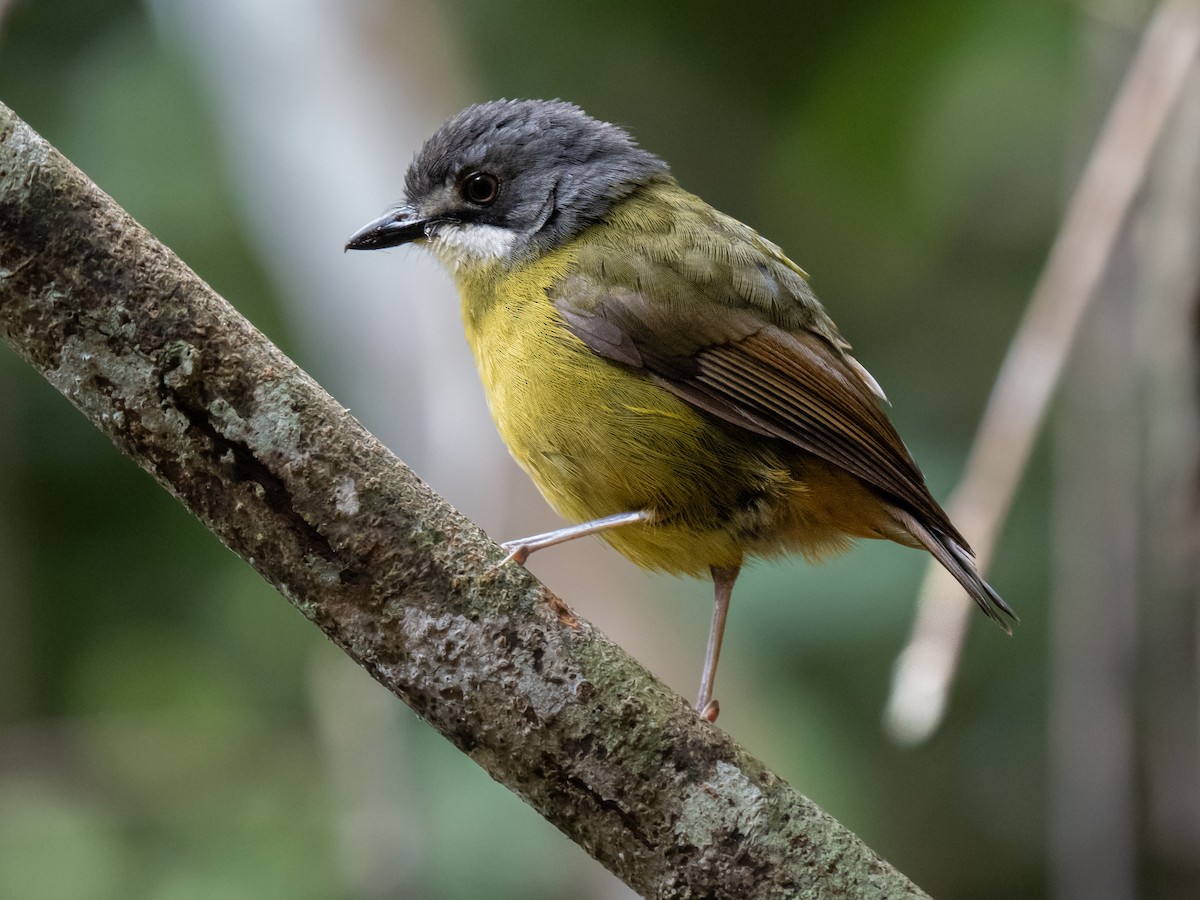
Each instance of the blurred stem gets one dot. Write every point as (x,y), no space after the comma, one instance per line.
(1123,700)
(1167,316)
(1094,620)
(927,666)
(292,483)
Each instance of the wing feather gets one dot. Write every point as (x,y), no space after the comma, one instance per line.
(796,384)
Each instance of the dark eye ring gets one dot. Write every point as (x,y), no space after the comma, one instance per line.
(480,188)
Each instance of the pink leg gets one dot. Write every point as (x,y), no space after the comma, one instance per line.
(519,550)
(723,580)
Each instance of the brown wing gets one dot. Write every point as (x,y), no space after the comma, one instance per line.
(793,385)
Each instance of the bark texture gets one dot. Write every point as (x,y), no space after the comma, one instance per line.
(293,484)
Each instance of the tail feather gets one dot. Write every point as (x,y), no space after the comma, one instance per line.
(960,562)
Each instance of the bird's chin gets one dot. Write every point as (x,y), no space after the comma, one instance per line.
(459,245)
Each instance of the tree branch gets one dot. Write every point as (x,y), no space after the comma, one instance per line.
(293,484)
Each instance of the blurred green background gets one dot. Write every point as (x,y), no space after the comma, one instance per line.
(171,728)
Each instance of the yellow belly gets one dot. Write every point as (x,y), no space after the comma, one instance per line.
(598,439)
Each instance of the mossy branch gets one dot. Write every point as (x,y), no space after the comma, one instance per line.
(293,484)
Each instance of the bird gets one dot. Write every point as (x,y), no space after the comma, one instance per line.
(665,375)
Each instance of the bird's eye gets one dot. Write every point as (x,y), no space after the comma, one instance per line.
(480,188)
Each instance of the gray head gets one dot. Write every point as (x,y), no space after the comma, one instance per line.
(511,177)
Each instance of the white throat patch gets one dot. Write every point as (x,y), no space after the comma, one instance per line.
(457,244)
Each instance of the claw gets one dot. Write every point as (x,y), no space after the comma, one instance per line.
(518,552)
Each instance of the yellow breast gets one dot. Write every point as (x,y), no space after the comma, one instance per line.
(598,438)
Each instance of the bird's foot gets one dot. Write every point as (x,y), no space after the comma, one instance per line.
(518,552)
